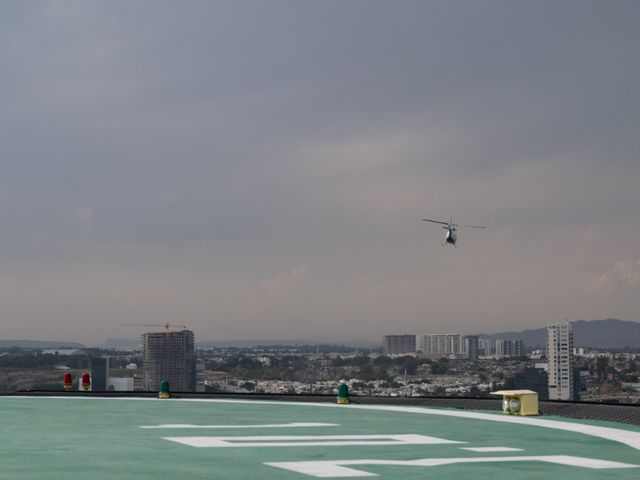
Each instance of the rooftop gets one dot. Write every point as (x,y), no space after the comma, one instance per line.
(73,437)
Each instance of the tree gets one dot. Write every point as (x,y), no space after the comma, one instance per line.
(382,361)
(249,386)
(440,367)
(366,372)
(409,365)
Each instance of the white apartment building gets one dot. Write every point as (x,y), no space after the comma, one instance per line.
(486,346)
(441,343)
(446,344)
(560,360)
(509,348)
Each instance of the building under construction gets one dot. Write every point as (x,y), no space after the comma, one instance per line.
(170,356)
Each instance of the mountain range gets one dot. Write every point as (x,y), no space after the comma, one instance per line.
(609,333)
(40,344)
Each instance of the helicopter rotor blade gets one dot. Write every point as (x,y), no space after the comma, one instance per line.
(473,226)
(435,221)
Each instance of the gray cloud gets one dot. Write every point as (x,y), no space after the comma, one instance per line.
(214,147)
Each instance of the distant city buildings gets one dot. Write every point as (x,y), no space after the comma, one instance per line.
(441,344)
(517,348)
(449,345)
(471,348)
(435,345)
(509,348)
(485,347)
(99,374)
(169,356)
(399,344)
(598,375)
(560,360)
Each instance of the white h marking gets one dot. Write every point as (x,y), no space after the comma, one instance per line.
(340,468)
(271,425)
(309,440)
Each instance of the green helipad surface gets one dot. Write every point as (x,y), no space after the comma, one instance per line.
(119,438)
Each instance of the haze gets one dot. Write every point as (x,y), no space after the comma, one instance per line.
(259,169)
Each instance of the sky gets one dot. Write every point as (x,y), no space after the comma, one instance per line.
(259,169)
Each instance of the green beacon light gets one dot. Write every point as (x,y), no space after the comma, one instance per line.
(343,393)
(164,389)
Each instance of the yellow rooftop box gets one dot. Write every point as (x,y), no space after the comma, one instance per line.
(519,402)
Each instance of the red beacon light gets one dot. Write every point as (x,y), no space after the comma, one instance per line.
(68,381)
(86,381)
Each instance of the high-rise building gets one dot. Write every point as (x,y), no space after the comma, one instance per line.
(509,348)
(449,344)
(485,345)
(517,348)
(441,344)
(503,348)
(560,359)
(170,356)
(398,344)
(99,374)
(471,349)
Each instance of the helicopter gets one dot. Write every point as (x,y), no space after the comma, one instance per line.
(452,230)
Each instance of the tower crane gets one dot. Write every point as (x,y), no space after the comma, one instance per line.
(168,327)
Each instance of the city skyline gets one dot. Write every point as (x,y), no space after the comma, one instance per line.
(260,169)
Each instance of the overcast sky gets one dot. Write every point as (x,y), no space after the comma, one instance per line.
(258,170)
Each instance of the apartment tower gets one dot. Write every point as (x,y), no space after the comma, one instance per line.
(560,359)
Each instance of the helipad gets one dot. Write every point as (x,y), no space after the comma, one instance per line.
(122,438)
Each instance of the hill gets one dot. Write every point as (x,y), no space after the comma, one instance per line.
(127,343)
(38,344)
(609,333)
